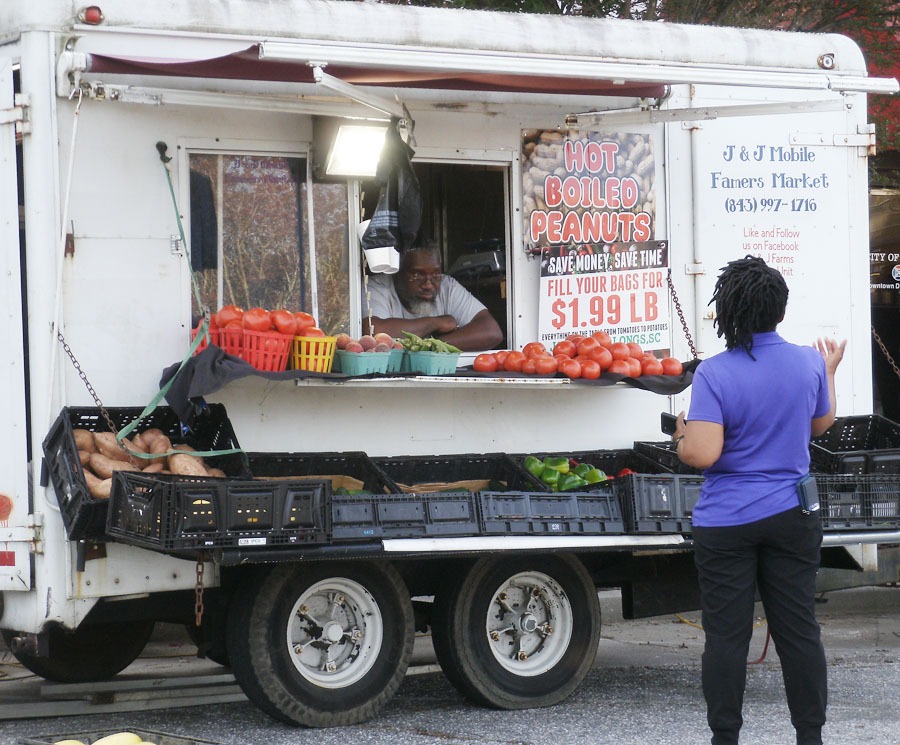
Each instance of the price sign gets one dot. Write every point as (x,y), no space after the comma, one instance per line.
(619,288)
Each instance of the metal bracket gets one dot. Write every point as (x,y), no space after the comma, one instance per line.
(863,139)
(384,105)
(694,269)
(18,114)
(30,533)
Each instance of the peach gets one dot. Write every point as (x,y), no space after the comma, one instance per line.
(354,346)
(384,339)
(396,344)
(368,342)
(382,348)
(343,340)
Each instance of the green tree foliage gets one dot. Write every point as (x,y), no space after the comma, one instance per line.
(873,24)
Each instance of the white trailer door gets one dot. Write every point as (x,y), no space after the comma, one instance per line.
(15,556)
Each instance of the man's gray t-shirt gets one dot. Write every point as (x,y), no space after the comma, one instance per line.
(452,300)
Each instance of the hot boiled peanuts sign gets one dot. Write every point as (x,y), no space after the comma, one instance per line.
(589,208)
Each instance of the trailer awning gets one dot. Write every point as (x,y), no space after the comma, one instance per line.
(252,64)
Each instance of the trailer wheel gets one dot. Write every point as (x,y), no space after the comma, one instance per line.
(321,645)
(515,633)
(90,653)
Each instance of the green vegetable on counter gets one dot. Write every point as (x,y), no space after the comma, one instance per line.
(533,465)
(594,476)
(413,343)
(557,464)
(581,469)
(550,476)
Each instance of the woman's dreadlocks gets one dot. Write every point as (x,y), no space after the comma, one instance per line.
(750,297)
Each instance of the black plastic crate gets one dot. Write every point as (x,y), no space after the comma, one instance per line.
(862,501)
(666,455)
(84,516)
(858,444)
(566,513)
(498,471)
(174,514)
(661,503)
(362,517)
(355,465)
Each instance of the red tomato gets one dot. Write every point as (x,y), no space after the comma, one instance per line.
(620,367)
(635,350)
(529,366)
(620,351)
(228,314)
(234,325)
(652,367)
(570,368)
(533,349)
(284,321)
(514,362)
(304,320)
(602,356)
(603,339)
(672,366)
(313,331)
(546,365)
(590,370)
(485,363)
(581,358)
(501,357)
(635,365)
(586,346)
(575,338)
(564,347)
(256,319)
(212,321)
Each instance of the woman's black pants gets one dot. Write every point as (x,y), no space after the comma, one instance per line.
(779,557)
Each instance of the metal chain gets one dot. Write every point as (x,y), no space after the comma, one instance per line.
(198,590)
(884,350)
(684,326)
(87,384)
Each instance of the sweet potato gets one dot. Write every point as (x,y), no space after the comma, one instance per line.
(153,468)
(104,467)
(160,446)
(149,435)
(84,456)
(99,488)
(186,465)
(217,472)
(84,440)
(107,445)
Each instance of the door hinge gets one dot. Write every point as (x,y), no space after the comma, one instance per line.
(31,533)
(863,139)
(694,269)
(18,114)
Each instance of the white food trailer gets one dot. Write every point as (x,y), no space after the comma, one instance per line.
(567,166)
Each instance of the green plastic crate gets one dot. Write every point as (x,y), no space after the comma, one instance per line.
(430,363)
(362,363)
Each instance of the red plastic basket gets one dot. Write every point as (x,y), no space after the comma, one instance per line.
(213,337)
(266,350)
(231,341)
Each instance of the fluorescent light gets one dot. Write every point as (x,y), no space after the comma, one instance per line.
(355,151)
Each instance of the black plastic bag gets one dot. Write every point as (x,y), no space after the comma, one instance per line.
(398,214)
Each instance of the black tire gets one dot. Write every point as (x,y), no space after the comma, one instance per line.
(357,615)
(488,669)
(210,643)
(90,653)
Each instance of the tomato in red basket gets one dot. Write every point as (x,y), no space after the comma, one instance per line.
(256,319)
(485,363)
(228,314)
(313,331)
(284,321)
(672,366)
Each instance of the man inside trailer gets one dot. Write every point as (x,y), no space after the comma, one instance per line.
(420,299)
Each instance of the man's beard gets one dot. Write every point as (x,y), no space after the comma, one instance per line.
(420,308)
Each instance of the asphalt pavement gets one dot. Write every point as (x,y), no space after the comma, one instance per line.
(643,690)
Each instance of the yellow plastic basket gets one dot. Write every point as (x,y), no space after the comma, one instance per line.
(314,353)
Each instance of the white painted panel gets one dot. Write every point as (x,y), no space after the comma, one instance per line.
(15,562)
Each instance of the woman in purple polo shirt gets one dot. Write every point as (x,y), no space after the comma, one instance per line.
(753,410)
